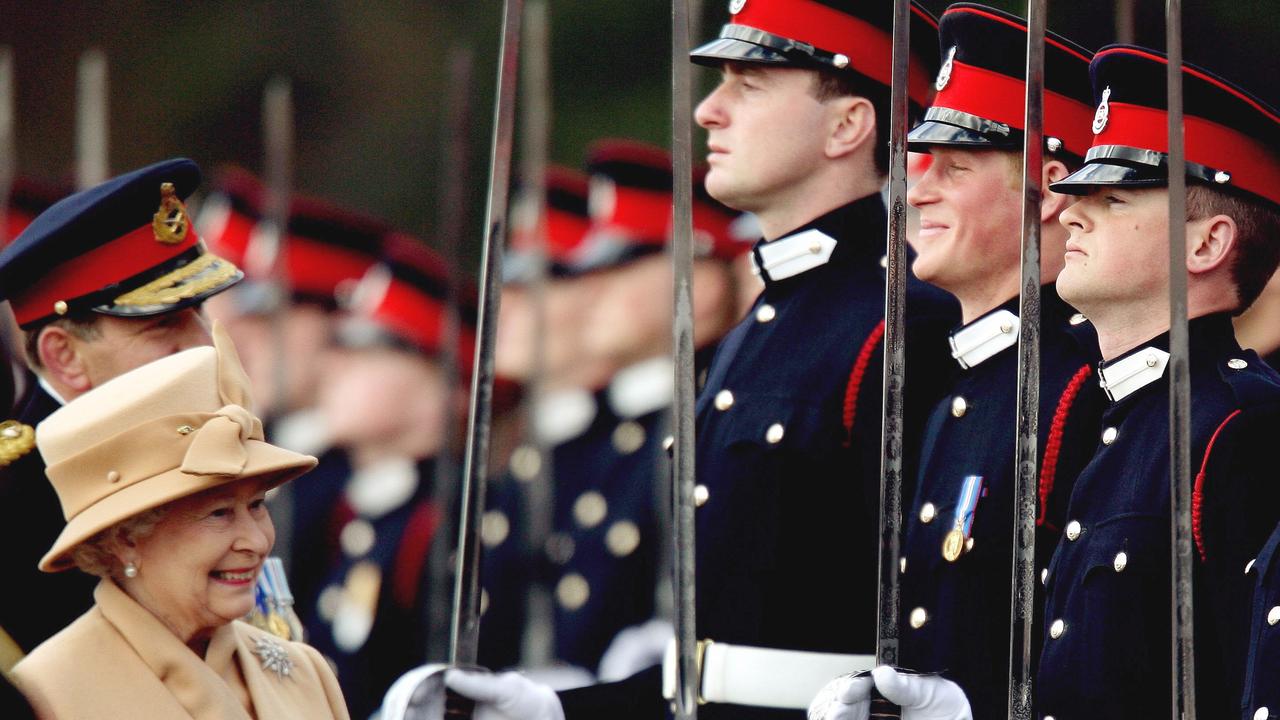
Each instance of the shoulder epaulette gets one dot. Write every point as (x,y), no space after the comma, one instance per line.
(16,440)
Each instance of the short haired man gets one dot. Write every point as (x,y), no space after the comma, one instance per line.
(957,556)
(1107,647)
(789,417)
(102,282)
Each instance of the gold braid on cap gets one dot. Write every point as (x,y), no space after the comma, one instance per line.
(16,440)
(182,284)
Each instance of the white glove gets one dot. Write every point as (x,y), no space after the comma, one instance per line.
(845,698)
(507,696)
(922,697)
(634,649)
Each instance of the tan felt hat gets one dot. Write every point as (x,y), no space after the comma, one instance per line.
(168,429)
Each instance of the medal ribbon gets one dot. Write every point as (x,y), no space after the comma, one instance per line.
(968,504)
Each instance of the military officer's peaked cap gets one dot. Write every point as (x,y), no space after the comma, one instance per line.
(845,35)
(124,248)
(565,222)
(1232,138)
(981,100)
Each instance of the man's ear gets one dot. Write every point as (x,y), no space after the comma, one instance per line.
(61,357)
(855,125)
(1052,203)
(1210,243)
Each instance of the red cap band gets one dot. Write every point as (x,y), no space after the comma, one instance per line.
(419,318)
(996,96)
(1252,164)
(644,215)
(91,271)
(869,48)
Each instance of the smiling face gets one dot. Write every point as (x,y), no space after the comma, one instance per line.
(1117,255)
(766,130)
(970,205)
(198,566)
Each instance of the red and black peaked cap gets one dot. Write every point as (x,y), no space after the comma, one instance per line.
(125,248)
(982,88)
(1232,138)
(847,35)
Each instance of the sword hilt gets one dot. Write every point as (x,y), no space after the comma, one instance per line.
(882,709)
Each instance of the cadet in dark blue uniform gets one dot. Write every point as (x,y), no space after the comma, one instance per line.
(1107,645)
(102,282)
(958,546)
(383,400)
(789,418)
(1261,691)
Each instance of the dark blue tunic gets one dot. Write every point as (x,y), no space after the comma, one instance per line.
(1108,623)
(962,609)
(1262,673)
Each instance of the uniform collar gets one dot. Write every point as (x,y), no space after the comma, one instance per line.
(1207,336)
(987,336)
(563,415)
(44,384)
(378,489)
(642,388)
(816,243)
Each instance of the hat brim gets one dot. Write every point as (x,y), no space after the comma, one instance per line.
(1100,174)
(265,461)
(932,132)
(721,50)
(177,289)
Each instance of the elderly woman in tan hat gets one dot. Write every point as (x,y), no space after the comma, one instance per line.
(162,474)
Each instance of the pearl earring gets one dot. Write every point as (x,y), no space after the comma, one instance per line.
(130,570)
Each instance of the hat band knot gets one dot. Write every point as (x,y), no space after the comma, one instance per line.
(217,447)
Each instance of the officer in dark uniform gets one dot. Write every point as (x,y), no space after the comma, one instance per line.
(1261,699)
(604,552)
(789,420)
(383,400)
(958,548)
(103,281)
(1107,646)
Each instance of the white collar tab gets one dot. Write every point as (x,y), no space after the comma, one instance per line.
(794,254)
(985,337)
(563,415)
(642,388)
(1133,372)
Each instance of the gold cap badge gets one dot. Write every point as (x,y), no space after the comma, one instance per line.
(16,440)
(170,222)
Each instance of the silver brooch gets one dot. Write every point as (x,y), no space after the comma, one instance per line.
(273,656)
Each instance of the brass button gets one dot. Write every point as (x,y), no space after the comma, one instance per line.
(668,442)
(628,437)
(766,313)
(774,434)
(1222,177)
(1074,529)
(572,591)
(724,400)
(590,509)
(918,618)
(968,545)
(840,60)
(815,248)
(1057,628)
(1121,561)
(60,307)
(1109,435)
(1249,565)
(113,476)
(959,406)
(1078,319)
(185,429)
(357,538)
(927,513)
(1237,364)
(902,565)
(623,538)
(701,495)
(1262,714)
(1006,328)
(526,463)
(494,528)
(1053,144)
(1044,576)
(1273,617)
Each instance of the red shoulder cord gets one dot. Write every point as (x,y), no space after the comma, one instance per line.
(412,555)
(1053,446)
(855,380)
(1197,496)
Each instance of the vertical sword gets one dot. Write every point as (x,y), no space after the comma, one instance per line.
(1022,606)
(688,688)
(92,109)
(465,630)
(888,601)
(1183,666)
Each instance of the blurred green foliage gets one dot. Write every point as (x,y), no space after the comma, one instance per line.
(370,79)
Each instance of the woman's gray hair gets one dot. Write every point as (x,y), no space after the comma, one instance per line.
(94,555)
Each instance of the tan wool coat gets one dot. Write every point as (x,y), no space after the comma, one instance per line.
(119,661)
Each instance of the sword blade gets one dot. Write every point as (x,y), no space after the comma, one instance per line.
(92,109)
(683,463)
(1022,607)
(464,636)
(1183,685)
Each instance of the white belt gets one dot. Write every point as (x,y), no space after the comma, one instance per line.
(761,677)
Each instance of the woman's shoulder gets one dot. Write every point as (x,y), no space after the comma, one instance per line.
(72,649)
